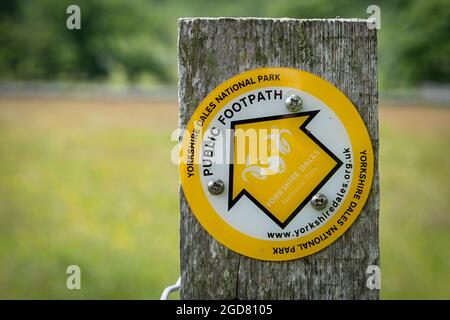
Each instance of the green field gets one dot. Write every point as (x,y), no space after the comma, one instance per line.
(91,183)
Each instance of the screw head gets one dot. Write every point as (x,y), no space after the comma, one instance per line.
(294,103)
(216,187)
(319,201)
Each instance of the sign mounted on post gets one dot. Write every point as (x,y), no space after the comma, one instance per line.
(276,163)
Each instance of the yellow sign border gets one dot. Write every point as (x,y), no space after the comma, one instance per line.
(264,249)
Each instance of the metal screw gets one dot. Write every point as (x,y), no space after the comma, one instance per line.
(293,103)
(216,186)
(319,201)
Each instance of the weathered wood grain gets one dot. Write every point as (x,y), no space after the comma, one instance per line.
(340,51)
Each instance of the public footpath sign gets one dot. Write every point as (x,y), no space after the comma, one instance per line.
(276,163)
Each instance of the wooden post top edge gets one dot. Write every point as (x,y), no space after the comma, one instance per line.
(284,19)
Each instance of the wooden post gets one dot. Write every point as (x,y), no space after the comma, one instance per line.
(343,52)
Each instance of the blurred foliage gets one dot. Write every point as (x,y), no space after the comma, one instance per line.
(415,212)
(136,40)
(89,184)
(413,43)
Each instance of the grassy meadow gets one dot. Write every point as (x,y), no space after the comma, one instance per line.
(91,183)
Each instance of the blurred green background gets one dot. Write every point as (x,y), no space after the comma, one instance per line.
(86,176)
(135,41)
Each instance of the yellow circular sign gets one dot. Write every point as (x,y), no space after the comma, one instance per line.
(276,163)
